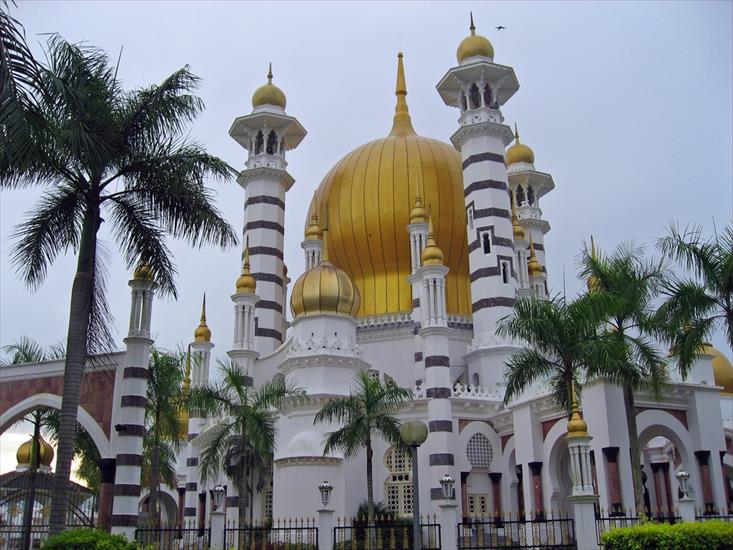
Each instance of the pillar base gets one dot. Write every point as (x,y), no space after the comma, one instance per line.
(448,524)
(218,522)
(686,508)
(584,513)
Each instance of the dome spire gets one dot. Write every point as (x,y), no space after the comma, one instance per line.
(517,228)
(246,283)
(269,73)
(577,427)
(472,28)
(202,332)
(313,231)
(516,132)
(534,269)
(432,255)
(402,125)
(187,372)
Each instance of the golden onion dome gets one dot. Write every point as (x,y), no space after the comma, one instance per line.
(313,231)
(143,272)
(474,45)
(324,289)
(25,452)
(577,427)
(370,194)
(269,94)
(722,369)
(534,269)
(246,283)
(202,332)
(519,152)
(431,254)
(418,213)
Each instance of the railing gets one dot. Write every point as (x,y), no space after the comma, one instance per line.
(703,515)
(171,536)
(386,534)
(482,533)
(291,534)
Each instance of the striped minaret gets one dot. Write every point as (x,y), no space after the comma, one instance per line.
(478,86)
(434,333)
(267,132)
(199,357)
(245,300)
(130,425)
(418,231)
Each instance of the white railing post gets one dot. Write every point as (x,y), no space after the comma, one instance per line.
(325,528)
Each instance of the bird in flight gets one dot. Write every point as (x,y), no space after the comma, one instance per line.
(500,27)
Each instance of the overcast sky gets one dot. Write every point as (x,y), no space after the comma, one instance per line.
(627,104)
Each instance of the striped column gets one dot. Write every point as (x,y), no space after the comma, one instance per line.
(418,231)
(133,400)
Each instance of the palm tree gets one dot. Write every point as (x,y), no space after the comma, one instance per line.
(101,154)
(629,284)
(700,304)
(162,439)
(246,433)
(562,345)
(367,412)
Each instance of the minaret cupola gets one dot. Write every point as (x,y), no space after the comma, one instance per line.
(519,152)
(474,45)
(269,94)
(202,332)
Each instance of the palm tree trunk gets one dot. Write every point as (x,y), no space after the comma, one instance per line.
(250,476)
(634,449)
(242,507)
(370,494)
(76,353)
(154,483)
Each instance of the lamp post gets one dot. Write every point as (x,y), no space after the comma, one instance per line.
(446,483)
(218,496)
(685,504)
(413,434)
(325,516)
(325,488)
(684,479)
(218,519)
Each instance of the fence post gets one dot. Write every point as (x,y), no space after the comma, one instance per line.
(448,524)
(325,529)
(584,513)
(686,508)
(218,518)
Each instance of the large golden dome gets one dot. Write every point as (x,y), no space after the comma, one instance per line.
(722,369)
(25,452)
(370,193)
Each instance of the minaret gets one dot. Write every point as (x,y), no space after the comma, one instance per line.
(535,272)
(527,186)
(267,133)
(478,87)
(245,300)
(434,333)
(418,230)
(521,249)
(312,244)
(130,424)
(198,358)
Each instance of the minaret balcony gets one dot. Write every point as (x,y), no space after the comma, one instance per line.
(482,114)
(266,161)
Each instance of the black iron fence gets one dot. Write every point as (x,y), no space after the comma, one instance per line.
(386,534)
(481,533)
(291,534)
(171,536)
(702,515)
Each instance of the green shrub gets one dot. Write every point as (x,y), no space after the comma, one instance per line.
(708,535)
(88,539)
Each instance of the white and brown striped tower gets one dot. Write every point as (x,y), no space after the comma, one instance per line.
(478,86)
(199,357)
(434,333)
(267,133)
(130,425)
(245,299)
(418,231)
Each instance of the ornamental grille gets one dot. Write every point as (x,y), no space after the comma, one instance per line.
(479,451)
(397,461)
(398,486)
(478,505)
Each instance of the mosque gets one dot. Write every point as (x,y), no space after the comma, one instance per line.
(415,248)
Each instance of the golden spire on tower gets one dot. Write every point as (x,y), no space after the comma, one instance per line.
(246,283)
(402,125)
(313,231)
(577,427)
(534,269)
(418,213)
(432,255)
(202,332)
(517,228)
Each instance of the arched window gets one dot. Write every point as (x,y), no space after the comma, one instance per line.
(469,215)
(272,143)
(479,451)
(475,96)
(486,242)
(475,379)
(259,142)
(520,195)
(530,195)
(505,272)
(398,487)
(487,96)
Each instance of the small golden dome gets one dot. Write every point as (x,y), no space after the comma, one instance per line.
(577,427)
(269,94)
(246,283)
(534,269)
(518,230)
(418,214)
(313,231)
(432,255)
(722,369)
(324,289)
(202,332)
(474,45)
(25,451)
(143,272)
(519,152)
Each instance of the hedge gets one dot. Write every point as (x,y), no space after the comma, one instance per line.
(709,535)
(88,539)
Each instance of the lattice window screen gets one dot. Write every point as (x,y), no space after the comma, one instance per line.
(479,451)
(398,487)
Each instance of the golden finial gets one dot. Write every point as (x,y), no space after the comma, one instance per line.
(516,132)
(519,234)
(431,255)
(472,27)
(577,427)
(246,283)
(534,269)
(202,332)
(417,214)
(313,231)
(269,74)
(402,125)
(187,373)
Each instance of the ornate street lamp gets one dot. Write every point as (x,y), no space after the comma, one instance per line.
(219,492)
(413,434)
(325,488)
(446,483)
(683,477)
